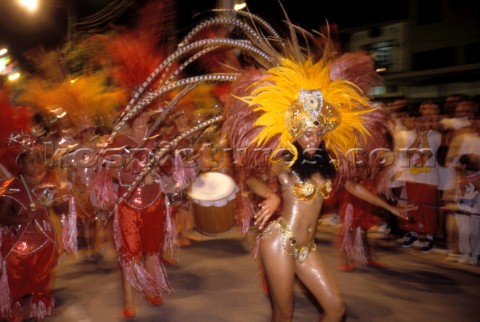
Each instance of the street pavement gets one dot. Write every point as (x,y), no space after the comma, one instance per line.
(216,279)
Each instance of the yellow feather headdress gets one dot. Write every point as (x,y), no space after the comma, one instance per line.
(299,94)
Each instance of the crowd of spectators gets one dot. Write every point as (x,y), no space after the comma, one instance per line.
(436,167)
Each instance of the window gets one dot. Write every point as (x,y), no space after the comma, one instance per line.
(382,53)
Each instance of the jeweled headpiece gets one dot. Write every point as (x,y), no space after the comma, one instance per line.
(310,110)
(299,94)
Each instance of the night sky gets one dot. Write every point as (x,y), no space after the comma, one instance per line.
(49,27)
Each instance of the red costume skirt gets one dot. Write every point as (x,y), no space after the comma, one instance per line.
(142,230)
(362,215)
(32,273)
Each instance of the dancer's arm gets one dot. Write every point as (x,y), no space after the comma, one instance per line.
(363,193)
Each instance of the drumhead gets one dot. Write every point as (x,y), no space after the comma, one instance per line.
(213,189)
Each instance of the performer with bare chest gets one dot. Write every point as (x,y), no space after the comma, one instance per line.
(309,122)
(286,245)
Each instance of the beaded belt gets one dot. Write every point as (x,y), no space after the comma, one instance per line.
(299,253)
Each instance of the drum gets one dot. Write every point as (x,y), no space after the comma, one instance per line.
(213,196)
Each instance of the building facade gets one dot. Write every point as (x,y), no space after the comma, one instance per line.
(432,53)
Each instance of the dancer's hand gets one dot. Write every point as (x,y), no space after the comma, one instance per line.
(402,211)
(267,209)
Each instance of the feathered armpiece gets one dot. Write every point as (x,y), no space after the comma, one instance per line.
(249,158)
(240,129)
(364,160)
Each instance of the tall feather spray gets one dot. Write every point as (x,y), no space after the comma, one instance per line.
(345,81)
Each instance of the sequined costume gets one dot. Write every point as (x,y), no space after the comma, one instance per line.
(29,253)
(288,240)
(356,215)
(139,224)
(298,196)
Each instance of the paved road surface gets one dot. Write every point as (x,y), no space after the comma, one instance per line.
(216,280)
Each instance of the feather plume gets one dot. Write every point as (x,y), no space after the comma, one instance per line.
(48,64)
(344,82)
(361,163)
(221,60)
(87,100)
(240,129)
(155,21)
(133,58)
(134,53)
(279,89)
(358,68)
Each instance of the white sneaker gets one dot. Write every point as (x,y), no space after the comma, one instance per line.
(418,243)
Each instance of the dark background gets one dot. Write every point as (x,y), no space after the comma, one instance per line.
(50,26)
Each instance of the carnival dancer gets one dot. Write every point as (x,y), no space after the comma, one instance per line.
(288,96)
(142,225)
(29,247)
(82,176)
(308,113)
(139,227)
(360,226)
(362,223)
